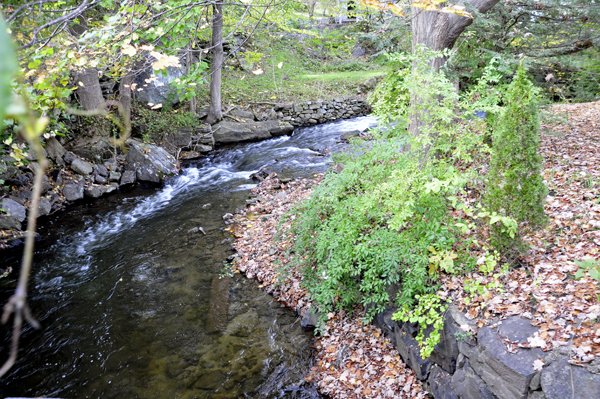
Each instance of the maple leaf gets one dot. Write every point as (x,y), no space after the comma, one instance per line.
(538,364)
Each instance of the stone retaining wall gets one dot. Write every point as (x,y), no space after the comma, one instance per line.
(320,111)
(465,366)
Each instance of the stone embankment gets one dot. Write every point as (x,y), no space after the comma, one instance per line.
(71,178)
(490,363)
(92,170)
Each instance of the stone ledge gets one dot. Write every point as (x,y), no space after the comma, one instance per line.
(465,367)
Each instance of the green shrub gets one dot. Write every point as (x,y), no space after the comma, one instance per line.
(514,184)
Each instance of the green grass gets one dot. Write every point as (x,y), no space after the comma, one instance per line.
(296,68)
(354,76)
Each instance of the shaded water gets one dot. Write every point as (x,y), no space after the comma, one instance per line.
(130,300)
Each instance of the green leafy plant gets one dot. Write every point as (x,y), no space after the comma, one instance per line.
(590,265)
(429,312)
(514,185)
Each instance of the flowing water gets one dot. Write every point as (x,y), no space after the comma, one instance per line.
(131,301)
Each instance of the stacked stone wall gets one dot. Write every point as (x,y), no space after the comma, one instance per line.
(479,366)
(321,111)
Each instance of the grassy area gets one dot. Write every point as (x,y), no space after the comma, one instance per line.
(282,67)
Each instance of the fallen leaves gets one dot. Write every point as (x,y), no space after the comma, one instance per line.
(353,360)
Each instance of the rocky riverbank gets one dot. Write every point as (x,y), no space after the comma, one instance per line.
(91,168)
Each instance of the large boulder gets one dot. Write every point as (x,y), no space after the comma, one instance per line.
(13,208)
(151,163)
(156,88)
(507,375)
(232,132)
(561,380)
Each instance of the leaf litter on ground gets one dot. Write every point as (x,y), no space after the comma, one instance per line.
(355,360)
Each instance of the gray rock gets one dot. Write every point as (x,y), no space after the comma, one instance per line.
(468,385)
(537,395)
(153,164)
(114,176)
(439,384)
(8,170)
(232,132)
(73,191)
(358,51)
(9,223)
(81,167)
(243,114)
(508,375)
(446,351)
(128,177)
(201,148)
(159,90)
(44,207)
(94,191)
(55,149)
(349,135)
(310,319)
(111,187)
(100,179)
(13,208)
(111,165)
(101,170)
(69,157)
(409,350)
(562,380)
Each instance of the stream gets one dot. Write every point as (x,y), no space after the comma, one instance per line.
(130,298)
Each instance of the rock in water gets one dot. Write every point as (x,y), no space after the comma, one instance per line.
(219,302)
(152,164)
(73,192)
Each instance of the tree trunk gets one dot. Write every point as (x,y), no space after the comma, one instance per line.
(214,112)
(188,70)
(88,89)
(437,31)
(125,95)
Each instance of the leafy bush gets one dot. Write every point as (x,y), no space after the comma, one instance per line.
(514,184)
(385,218)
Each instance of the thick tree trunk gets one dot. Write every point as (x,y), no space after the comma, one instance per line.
(88,89)
(437,31)
(214,113)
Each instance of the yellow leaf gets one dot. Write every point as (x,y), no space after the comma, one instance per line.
(280,65)
(259,71)
(396,10)
(456,9)
(128,50)
(426,5)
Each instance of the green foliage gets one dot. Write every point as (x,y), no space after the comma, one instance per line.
(514,184)
(591,265)
(428,312)
(390,98)
(8,67)
(155,125)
